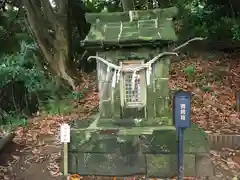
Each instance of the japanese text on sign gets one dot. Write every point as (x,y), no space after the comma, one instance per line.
(65,133)
(183,111)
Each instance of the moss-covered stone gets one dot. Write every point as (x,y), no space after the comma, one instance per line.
(165,165)
(122,140)
(158,152)
(118,28)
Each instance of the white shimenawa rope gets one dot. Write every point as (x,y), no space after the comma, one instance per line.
(118,70)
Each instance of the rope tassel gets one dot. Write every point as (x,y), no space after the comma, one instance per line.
(114,79)
(118,75)
(148,74)
(108,73)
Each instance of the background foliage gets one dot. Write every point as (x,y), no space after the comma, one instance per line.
(25,82)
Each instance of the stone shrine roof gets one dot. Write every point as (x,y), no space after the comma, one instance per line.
(131,28)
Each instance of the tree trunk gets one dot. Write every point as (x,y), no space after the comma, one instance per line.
(127,5)
(63,57)
(136,4)
(141,4)
(53,34)
(62,62)
(150,4)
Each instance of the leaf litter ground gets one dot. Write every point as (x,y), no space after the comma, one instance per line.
(35,151)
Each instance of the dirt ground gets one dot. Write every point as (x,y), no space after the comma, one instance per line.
(22,166)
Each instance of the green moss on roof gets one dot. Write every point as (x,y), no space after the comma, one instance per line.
(121,28)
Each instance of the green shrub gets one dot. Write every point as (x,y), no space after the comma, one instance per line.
(190,72)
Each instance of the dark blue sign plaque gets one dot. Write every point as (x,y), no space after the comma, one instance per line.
(182,109)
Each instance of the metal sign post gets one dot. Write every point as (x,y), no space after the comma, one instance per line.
(181,105)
